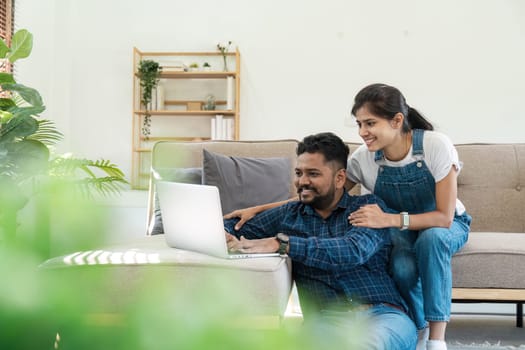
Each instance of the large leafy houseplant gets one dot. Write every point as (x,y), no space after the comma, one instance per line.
(26,161)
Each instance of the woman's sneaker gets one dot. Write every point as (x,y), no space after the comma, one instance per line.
(436,345)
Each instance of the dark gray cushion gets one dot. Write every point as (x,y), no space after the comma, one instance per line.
(245,182)
(186,175)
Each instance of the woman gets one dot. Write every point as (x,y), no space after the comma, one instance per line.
(414,170)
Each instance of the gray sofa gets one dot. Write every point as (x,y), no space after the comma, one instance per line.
(488,269)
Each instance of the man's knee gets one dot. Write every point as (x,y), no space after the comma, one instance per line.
(396,331)
(403,268)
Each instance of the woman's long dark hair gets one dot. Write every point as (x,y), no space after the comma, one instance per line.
(386,101)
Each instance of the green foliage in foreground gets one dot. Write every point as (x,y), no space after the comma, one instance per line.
(110,307)
(122,308)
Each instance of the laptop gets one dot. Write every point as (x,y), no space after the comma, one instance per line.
(192,220)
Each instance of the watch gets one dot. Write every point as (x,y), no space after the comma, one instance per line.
(405,220)
(283,240)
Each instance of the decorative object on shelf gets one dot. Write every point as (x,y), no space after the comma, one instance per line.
(209,105)
(174,66)
(194,105)
(149,73)
(194,67)
(223,48)
(206,66)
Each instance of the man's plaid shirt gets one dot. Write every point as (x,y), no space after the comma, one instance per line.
(334,264)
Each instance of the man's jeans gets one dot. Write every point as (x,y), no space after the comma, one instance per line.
(380,327)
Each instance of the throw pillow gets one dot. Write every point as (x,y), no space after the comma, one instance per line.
(244,182)
(186,175)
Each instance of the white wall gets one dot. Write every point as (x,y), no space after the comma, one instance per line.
(460,62)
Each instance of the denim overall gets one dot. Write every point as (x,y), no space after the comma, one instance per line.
(420,261)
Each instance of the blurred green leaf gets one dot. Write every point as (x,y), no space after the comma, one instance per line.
(5,117)
(74,168)
(31,111)
(18,127)
(31,156)
(21,45)
(46,133)
(4,49)
(6,78)
(6,103)
(10,194)
(29,95)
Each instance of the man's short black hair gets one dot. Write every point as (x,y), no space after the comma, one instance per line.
(329,145)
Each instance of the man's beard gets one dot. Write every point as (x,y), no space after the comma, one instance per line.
(319,201)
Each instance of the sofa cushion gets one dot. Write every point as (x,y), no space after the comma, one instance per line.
(244,181)
(490,260)
(186,175)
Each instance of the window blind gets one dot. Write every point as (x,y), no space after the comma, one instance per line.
(6,20)
(6,29)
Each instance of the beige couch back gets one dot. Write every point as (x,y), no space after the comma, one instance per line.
(492,186)
(491,183)
(180,154)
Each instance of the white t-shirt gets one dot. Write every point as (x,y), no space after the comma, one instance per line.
(439,156)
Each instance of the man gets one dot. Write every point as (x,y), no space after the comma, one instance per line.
(341,271)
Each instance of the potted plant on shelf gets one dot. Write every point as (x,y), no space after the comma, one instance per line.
(149,74)
(194,67)
(223,48)
(206,66)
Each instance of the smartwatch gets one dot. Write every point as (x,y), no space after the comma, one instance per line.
(283,240)
(405,220)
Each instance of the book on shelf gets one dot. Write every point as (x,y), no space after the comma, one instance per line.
(157,98)
(229,93)
(222,128)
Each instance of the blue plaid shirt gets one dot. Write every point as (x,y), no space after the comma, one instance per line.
(334,264)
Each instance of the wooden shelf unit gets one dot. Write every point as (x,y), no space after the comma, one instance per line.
(176,110)
(186,113)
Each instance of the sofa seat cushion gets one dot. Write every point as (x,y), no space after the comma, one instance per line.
(265,283)
(490,260)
